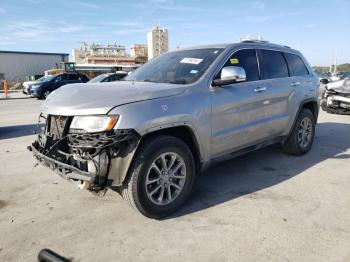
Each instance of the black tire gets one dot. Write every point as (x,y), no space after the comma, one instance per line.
(292,145)
(134,189)
(46,94)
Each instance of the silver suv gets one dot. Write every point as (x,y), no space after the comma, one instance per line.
(150,134)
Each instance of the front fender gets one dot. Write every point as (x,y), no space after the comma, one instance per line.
(153,115)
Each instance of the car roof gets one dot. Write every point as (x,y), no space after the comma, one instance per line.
(250,43)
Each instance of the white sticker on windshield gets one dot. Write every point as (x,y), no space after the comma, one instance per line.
(191,60)
(193,71)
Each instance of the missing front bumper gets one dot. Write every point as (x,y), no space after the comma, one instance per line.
(64,170)
(86,157)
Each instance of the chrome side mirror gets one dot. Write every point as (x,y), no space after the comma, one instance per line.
(230,75)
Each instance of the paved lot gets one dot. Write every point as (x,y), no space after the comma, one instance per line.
(264,206)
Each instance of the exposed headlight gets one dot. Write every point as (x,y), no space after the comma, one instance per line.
(94,123)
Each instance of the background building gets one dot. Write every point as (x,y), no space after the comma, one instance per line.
(17,66)
(101,54)
(157,41)
(139,52)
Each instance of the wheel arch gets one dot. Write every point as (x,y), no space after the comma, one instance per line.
(183,132)
(120,167)
(312,105)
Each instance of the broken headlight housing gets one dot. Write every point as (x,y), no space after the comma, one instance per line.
(93,124)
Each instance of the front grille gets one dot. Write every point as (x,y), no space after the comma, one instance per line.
(57,126)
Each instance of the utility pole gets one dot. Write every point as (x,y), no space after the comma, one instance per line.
(335,60)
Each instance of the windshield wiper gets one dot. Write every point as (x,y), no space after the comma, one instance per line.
(180,81)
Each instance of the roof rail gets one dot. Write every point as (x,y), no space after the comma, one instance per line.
(249,39)
(253,41)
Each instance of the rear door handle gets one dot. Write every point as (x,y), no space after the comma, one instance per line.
(260,89)
(295,84)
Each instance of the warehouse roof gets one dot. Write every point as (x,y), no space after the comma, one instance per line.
(31,53)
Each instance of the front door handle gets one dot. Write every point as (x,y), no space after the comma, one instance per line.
(295,84)
(260,89)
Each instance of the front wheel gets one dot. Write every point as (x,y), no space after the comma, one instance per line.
(46,94)
(302,135)
(161,177)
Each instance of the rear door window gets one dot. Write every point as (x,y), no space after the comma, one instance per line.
(112,78)
(273,64)
(296,65)
(245,58)
(61,78)
(119,76)
(73,77)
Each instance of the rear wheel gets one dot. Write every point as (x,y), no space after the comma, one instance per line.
(160,178)
(302,136)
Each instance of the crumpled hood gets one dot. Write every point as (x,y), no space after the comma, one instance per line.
(341,86)
(100,98)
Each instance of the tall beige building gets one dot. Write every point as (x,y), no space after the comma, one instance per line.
(139,52)
(157,41)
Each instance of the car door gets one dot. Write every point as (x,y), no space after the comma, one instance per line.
(73,78)
(239,111)
(280,94)
(300,79)
(60,80)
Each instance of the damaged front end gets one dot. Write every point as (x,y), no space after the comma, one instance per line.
(336,98)
(88,159)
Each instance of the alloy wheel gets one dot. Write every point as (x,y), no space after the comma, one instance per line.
(165,178)
(305,132)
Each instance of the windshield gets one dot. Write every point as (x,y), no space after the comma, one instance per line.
(46,78)
(179,67)
(98,79)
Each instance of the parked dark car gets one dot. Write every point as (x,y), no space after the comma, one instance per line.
(109,77)
(45,85)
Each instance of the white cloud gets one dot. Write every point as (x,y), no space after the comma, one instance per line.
(166,5)
(310,26)
(257,19)
(32,1)
(166,2)
(39,31)
(130,28)
(71,28)
(87,4)
(129,31)
(258,5)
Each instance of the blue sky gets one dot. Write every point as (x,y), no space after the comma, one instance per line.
(315,27)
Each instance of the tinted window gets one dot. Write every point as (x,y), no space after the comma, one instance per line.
(119,76)
(245,58)
(112,78)
(83,78)
(273,64)
(61,78)
(73,77)
(296,65)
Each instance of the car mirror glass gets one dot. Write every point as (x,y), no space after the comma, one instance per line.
(230,75)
